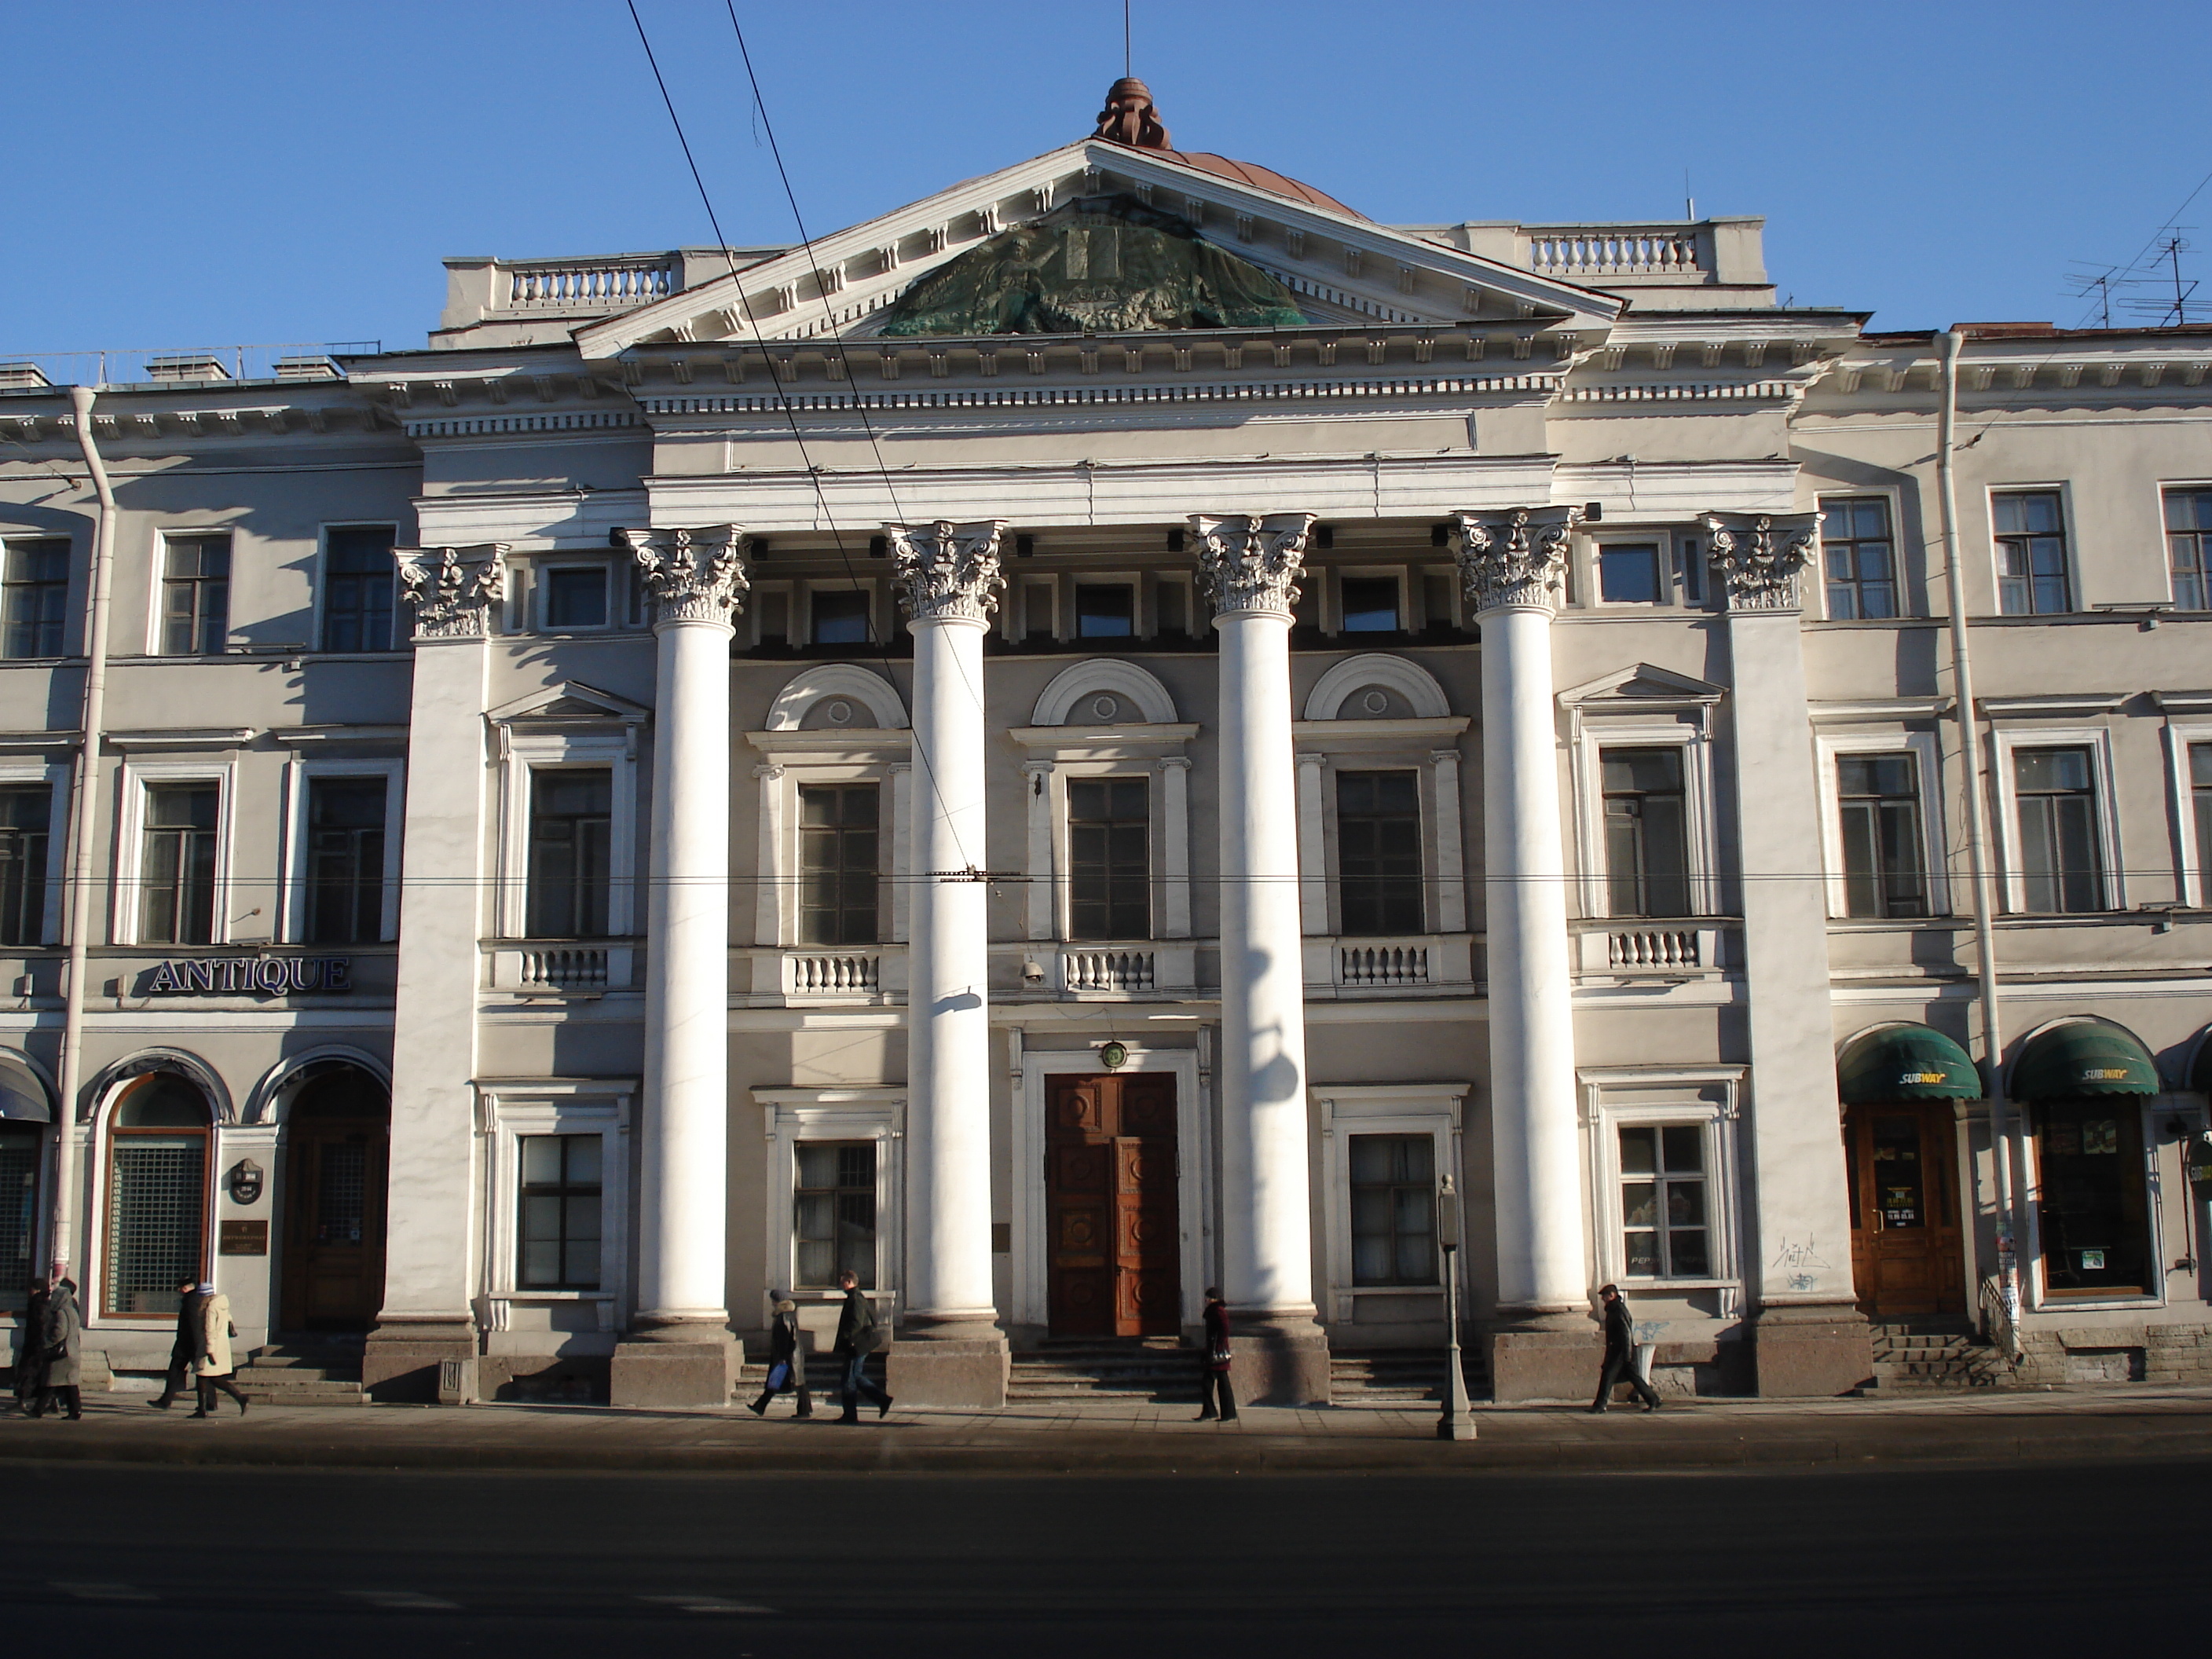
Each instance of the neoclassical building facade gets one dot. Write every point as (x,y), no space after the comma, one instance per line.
(1120,729)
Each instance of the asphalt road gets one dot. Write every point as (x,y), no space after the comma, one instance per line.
(184,1562)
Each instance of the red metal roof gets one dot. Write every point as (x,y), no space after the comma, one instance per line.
(1260,178)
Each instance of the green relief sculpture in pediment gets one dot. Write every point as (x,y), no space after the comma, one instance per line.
(1105,264)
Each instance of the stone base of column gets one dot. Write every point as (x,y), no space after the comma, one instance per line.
(403,1356)
(1544,1355)
(1810,1353)
(691,1363)
(1278,1361)
(961,1363)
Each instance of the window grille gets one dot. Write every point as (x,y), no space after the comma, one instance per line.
(157,1215)
(341,1192)
(20,1152)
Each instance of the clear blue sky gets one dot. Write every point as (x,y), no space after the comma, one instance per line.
(208,173)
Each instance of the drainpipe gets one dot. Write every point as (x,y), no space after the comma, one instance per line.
(84,803)
(1978,843)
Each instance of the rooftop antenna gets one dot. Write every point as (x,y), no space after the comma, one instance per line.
(2099,280)
(1127,70)
(2172,312)
(1689,202)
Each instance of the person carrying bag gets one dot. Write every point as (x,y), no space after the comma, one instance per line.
(786,1364)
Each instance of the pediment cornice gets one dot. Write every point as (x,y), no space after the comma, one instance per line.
(1343,268)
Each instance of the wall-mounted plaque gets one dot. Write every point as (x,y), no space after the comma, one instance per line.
(243,1238)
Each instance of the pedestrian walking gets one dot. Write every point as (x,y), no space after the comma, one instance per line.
(185,1348)
(860,1333)
(212,1367)
(786,1365)
(31,1348)
(61,1334)
(1620,1353)
(1213,1369)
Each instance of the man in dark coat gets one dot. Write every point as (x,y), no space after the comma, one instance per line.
(61,1333)
(31,1353)
(1214,1364)
(1620,1353)
(859,1335)
(186,1347)
(783,1350)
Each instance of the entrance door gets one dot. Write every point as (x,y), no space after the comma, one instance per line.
(1114,1247)
(338,1134)
(1904,1210)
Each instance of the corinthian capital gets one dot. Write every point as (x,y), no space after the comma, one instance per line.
(1517,559)
(452,589)
(947,571)
(694,575)
(1250,563)
(1757,557)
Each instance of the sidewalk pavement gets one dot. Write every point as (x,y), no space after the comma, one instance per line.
(2081,1424)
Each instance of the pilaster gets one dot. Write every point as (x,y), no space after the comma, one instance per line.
(1808,1336)
(1249,566)
(430,1256)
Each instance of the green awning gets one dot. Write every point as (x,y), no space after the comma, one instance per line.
(2084,1057)
(1905,1062)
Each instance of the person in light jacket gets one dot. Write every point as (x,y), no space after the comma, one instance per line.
(1214,1362)
(31,1349)
(1620,1353)
(859,1335)
(783,1350)
(61,1335)
(212,1367)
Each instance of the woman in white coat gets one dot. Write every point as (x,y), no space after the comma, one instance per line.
(211,1362)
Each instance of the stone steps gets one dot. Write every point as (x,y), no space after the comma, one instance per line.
(1400,1375)
(317,1373)
(1932,1356)
(1157,1368)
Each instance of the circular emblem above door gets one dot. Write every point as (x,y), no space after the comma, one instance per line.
(1113,1055)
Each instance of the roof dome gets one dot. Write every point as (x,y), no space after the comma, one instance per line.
(1259,178)
(1130,118)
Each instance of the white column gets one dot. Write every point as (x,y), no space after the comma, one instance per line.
(1807,1335)
(1513,568)
(696,578)
(430,1262)
(948,576)
(1250,567)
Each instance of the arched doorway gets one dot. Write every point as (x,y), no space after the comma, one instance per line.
(1898,1084)
(337,1138)
(25,1118)
(156,1222)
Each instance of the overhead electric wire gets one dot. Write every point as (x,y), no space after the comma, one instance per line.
(783,398)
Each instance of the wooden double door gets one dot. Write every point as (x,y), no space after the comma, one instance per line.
(1114,1258)
(336,1173)
(1904,1179)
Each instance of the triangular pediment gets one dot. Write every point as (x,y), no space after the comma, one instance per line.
(570,701)
(1642,682)
(1344,271)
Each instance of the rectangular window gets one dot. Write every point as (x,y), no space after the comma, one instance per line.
(575,596)
(559,1218)
(1105,612)
(357,584)
(1662,1203)
(1371,605)
(2060,868)
(22,1152)
(1110,839)
(195,596)
(2031,529)
(1629,575)
(35,609)
(26,813)
(1859,558)
(833,1212)
(2200,796)
(1378,852)
(1884,872)
(841,617)
(2188,548)
(2091,1216)
(1647,844)
(571,852)
(1393,1210)
(838,826)
(345,859)
(176,878)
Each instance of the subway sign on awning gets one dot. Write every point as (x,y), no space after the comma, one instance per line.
(269,976)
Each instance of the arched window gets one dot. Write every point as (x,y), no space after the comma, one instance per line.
(157,1194)
(23,1118)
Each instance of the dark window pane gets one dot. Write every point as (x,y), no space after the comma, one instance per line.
(576,597)
(35,609)
(1393,1200)
(357,588)
(2092,1207)
(345,859)
(177,863)
(840,617)
(1109,858)
(1371,605)
(1646,832)
(837,860)
(1884,864)
(571,846)
(1105,612)
(2061,864)
(1378,845)
(195,596)
(2030,554)
(1628,575)
(833,1212)
(25,810)
(557,1217)
(1855,549)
